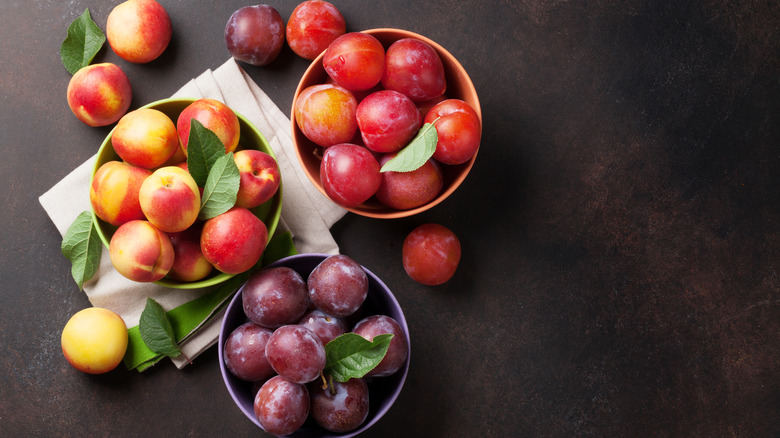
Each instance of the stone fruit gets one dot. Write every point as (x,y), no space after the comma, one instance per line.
(189,264)
(260,177)
(99,94)
(413,68)
(275,297)
(170,199)
(141,252)
(139,30)
(431,254)
(326,327)
(281,406)
(145,137)
(355,60)
(296,353)
(325,113)
(349,174)
(113,192)
(255,34)
(338,285)
(312,26)
(459,131)
(398,350)
(407,190)
(245,352)
(94,340)
(215,116)
(233,241)
(387,120)
(342,408)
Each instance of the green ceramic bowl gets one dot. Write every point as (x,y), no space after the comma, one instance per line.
(251,137)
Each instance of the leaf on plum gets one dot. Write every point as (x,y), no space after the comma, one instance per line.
(156,330)
(416,153)
(352,356)
(82,246)
(221,189)
(82,43)
(204,148)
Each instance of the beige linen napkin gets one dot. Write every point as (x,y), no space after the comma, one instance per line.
(306,212)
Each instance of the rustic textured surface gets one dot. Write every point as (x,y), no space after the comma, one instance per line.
(620,227)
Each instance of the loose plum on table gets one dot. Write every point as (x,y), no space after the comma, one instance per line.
(255,34)
(431,254)
(312,26)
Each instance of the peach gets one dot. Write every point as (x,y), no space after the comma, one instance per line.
(214,115)
(170,199)
(94,340)
(189,264)
(99,94)
(325,113)
(260,177)
(407,190)
(145,137)
(234,241)
(139,30)
(141,252)
(113,192)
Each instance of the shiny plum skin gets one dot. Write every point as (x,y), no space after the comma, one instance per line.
(355,60)
(387,120)
(326,327)
(349,174)
(312,26)
(338,285)
(342,408)
(325,114)
(459,131)
(255,34)
(281,406)
(245,352)
(407,190)
(296,353)
(398,350)
(274,297)
(413,68)
(431,254)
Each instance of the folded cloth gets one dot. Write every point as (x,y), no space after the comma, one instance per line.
(306,212)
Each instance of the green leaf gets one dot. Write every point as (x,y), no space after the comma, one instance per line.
(352,356)
(82,43)
(221,189)
(416,153)
(82,246)
(156,330)
(204,148)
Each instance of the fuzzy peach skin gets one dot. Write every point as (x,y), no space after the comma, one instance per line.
(260,177)
(145,137)
(141,252)
(170,199)
(94,340)
(99,94)
(214,115)
(114,192)
(189,264)
(139,30)
(234,241)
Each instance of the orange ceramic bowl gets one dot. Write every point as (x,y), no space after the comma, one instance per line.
(459,86)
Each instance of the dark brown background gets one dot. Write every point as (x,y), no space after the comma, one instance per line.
(619,230)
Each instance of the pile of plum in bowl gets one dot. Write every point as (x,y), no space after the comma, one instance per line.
(386,123)
(314,345)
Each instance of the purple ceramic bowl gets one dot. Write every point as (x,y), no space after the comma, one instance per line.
(382,390)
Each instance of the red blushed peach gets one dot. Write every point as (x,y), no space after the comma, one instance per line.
(458,128)
(260,177)
(99,94)
(141,252)
(406,190)
(325,114)
(145,137)
(170,199)
(189,264)
(234,241)
(139,30)
(215,116)
(114,192)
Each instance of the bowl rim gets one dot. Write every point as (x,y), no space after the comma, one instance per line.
(216,277)
(400,375)
(466,167)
